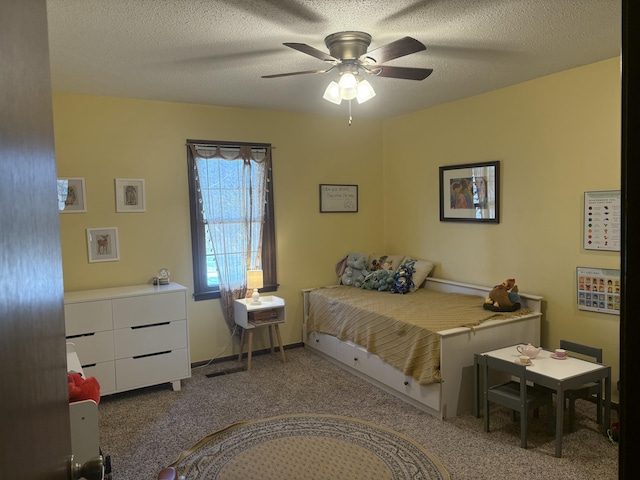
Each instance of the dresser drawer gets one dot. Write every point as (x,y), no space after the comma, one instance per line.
(93,348)
(142,340)
(87,317)
(145,309)
(105,373)
(153,369)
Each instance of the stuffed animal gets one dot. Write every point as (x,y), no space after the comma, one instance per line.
(503,297)
(403,279)
(381,280)
(83,388)
(354,269)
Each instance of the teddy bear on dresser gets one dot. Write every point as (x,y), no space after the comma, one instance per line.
(503,297)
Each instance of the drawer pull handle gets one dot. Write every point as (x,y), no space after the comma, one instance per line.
(150,325)
(355,359)
(406,383)
(317,341)
(82,335)
(135,357)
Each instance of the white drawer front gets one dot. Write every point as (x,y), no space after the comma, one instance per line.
(145,309)
(142,340)
(373,366)
(153,369)
(325,343)
(94,348)
(87,317)
(105,373)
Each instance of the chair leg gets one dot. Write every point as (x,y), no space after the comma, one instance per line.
(600,407)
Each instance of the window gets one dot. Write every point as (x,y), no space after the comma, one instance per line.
(224,178)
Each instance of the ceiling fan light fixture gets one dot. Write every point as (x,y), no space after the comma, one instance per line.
(365,91)
(348,86)
(332,93)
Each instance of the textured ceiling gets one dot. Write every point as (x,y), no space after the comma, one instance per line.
(215,51)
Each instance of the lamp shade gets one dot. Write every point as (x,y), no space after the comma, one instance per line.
(332,93)
(365,91)
(254,279)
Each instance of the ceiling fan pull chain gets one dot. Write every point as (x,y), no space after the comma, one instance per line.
(350,117)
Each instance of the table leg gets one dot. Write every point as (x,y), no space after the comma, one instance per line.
(476,386)
(241,344)
(559,421)
(607,401)
(277,327)
(271,337)
(250,349)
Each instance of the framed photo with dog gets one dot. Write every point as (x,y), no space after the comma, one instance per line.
(470,192)
(102,244)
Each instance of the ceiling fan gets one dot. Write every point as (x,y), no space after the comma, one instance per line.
(348,54)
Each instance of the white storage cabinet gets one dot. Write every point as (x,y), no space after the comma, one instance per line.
(130,337)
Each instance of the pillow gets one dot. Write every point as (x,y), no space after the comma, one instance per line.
(422,269)
(388,262)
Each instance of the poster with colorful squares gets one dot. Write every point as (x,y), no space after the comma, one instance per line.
(602,215)
(598,290)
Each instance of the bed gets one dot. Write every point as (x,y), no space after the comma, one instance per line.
(402,344)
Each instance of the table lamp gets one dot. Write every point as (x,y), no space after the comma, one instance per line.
(255,281)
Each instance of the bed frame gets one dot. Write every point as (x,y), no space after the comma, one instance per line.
(454,394)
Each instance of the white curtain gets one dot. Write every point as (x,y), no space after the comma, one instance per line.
(232,190)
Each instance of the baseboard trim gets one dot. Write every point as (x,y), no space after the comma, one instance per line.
(255,353)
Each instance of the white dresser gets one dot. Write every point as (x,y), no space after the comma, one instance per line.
(130,337)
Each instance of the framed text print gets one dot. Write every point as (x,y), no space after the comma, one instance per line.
(338,198)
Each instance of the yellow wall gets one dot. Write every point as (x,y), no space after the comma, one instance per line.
(106,138)
(555,137)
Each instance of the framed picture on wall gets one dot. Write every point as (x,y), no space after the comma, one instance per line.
(71,195)
(102,244)
(470,192)
(130,196)
(336,198)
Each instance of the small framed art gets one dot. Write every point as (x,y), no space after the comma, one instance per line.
(338,198)
(599,289)
(102,244)
(130,196)
(470,192)
(71,195)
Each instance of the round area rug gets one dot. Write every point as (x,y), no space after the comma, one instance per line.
(308,447)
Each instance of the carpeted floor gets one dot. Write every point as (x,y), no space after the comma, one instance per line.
(308,447)
(145,430)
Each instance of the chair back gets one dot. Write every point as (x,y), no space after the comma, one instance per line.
(509,367)
(593,352)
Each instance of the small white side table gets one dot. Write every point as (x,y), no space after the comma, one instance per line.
(270,312)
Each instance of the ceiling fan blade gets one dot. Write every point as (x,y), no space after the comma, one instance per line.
(309,50)
(407,73)
(397,49)
(297,73)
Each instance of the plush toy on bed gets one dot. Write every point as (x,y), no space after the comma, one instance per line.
(381,280)
(352,269)
(503,297)
(403,281)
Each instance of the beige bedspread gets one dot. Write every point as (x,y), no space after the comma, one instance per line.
(400,329)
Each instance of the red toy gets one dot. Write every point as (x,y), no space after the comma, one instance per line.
(83,388)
